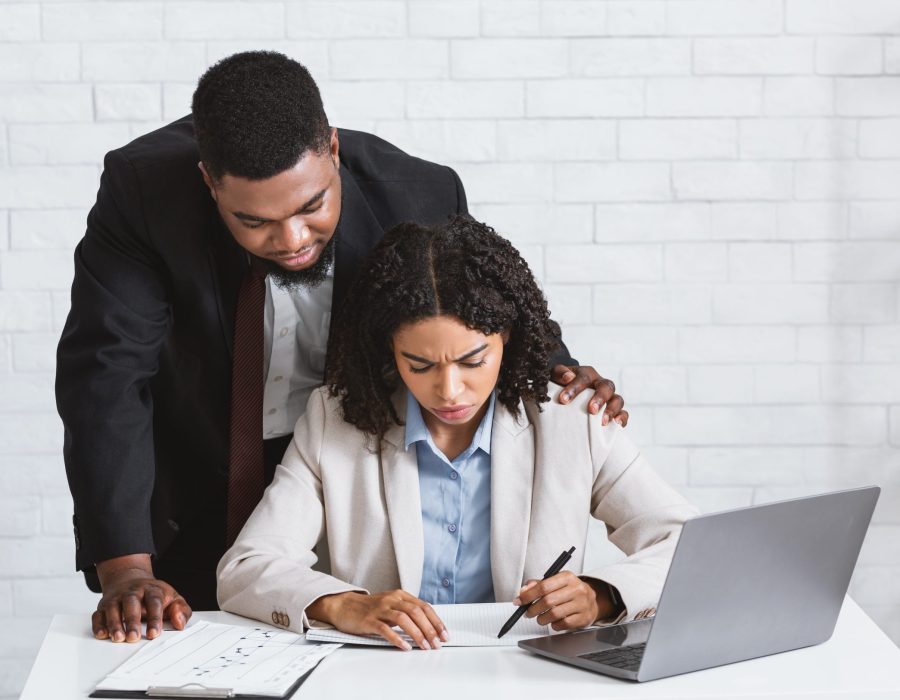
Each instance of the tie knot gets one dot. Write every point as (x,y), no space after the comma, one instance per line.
(257,269)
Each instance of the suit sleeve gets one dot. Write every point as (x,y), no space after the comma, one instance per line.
(462,204)
(108,352)
(269,567)
(643,517)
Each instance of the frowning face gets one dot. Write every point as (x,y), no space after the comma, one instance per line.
(450,369)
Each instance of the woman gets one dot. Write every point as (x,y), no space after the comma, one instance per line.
(426,464)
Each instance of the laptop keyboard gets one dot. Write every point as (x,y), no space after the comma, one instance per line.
(621,657)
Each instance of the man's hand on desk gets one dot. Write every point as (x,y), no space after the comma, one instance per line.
(565,602)
(131,593)
(378,613)
(576,379)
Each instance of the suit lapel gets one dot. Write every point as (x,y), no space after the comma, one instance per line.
(400,471)
(512,477)
(357,233)
(228,262)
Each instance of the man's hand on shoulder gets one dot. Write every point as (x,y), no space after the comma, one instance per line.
(576,379)
(130,594)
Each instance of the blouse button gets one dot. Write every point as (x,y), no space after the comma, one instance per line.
(445,582)
(451,527)
(454,475)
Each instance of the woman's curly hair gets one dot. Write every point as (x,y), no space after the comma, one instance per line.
(461,268)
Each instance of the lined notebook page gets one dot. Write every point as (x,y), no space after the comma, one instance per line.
(469,625)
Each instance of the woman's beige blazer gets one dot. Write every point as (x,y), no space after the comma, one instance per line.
(551,471)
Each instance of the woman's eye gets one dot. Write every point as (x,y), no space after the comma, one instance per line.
(257,225)
(472,365)
(419,370)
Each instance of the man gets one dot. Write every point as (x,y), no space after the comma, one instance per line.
(219,246)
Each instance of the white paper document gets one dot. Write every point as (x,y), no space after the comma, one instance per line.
(245,660)
(469,625)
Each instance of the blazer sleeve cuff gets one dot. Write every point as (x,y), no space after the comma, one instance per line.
(338,587)
(638,595)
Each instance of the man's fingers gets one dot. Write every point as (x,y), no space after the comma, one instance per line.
(179,612)
(153,603)
(98,625)
(131,611)
(582,380)
(562,375)
(614,406)
(621,418)
(113,614)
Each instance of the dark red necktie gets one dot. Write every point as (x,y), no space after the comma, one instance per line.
(246,480)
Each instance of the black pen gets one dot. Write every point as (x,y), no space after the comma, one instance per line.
(554,569)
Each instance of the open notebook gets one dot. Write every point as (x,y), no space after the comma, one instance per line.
(469,625)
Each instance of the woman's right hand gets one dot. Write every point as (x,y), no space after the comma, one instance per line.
(379,613)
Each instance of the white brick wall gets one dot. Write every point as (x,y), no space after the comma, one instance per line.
(707,189)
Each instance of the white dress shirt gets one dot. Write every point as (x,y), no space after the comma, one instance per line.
(296,338)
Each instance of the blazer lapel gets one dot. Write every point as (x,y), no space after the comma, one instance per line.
(512,477)
(400,471)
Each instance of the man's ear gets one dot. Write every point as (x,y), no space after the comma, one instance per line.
(208,180)
(335,148)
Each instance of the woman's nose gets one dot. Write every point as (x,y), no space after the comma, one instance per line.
(450,385)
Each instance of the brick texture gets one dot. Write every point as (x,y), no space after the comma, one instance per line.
(707,190)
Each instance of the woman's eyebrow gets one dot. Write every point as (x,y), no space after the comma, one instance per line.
(469,354)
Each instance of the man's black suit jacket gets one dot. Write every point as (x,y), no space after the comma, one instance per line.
(144,362)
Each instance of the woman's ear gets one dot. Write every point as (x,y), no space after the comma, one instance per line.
(505,333)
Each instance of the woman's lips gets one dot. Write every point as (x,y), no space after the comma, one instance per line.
(454,412)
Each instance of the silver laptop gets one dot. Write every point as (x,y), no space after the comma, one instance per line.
(742,584)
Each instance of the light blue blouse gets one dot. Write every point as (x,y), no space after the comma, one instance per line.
(456,513)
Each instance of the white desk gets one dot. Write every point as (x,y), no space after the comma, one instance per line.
(858,662)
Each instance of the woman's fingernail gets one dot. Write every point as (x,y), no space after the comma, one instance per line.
(406,645)
(445,636)
(605,419)
(435,643)
(517,601)
(425,645)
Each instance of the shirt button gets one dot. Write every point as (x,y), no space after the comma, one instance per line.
(283,332)
(454,475)
(451,527)
(278,378)
(445,582)
(273,411)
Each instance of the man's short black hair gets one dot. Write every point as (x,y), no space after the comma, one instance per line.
(256,114)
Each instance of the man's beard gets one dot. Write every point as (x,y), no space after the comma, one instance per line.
(307,278)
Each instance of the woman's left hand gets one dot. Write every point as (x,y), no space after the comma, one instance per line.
(563,601)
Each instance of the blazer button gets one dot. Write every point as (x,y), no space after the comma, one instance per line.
(172,524)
